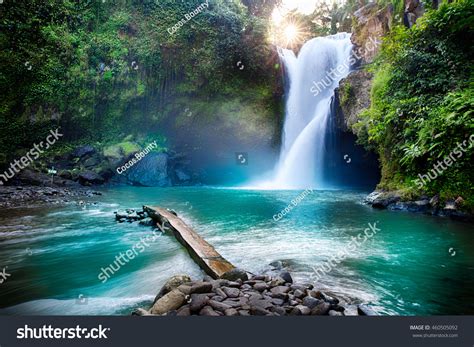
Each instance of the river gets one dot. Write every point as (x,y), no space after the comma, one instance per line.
(414,265)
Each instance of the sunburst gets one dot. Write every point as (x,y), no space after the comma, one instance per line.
(287,33)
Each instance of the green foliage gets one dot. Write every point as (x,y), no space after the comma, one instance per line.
(422,101)
(102,70)
(345,93)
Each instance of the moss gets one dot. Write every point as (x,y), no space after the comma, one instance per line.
(346,94)
(120,150)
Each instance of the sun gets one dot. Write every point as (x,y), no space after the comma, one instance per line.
(285,30)
(287,34)
(290,32)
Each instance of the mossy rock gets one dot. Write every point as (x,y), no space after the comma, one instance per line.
(122,149)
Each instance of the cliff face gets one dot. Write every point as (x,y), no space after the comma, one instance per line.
(371,23)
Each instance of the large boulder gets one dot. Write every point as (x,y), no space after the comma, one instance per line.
(171,301)
(171,284)
(150,171)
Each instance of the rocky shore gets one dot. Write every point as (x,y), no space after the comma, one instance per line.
(20,196)
(258,295)
(394,201)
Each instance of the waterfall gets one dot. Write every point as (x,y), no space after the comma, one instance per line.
(313,77)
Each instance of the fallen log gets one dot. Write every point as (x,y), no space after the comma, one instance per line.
(200,250)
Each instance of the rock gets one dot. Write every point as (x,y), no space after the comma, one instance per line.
(253,281)
(372,21)
(285,275)
(65,174)
(298,294)
(321,309)
(434,201)
(184,311)
(364,310)
(412,206)
(82,151)
(337,308)
(33,178)
(207,278)
(353,96)
(235,284)
(330,299)
(259,311)
(280,292)
(89,178)
(148,222)
(259,278)
(208,311)
(277,264)
(140,312)
(235,274)
(182,176)
(201,287)
(231,312)
(219,306)
(334,313)
(305,311)
(351,310)
(150,171)
(173,283)
(171,301)
(279,310)
(277,281)
(219,283)
(311,302)
(244,313)
(91,162)
(299,287)
(231,292)
(261,286)
(414,9)
(231,303)
(381,200)
(198,301)
(220,292)
(255,296)
(459,201)
(277,301)
(263,303)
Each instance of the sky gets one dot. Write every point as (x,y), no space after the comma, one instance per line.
(304,6)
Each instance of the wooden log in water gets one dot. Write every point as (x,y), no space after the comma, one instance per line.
(201,251)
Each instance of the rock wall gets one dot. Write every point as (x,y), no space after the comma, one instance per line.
(414,9)
(353,96)
(371,23)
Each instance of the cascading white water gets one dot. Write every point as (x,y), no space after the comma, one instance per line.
(313,76)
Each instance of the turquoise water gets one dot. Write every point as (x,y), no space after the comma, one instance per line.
(415,264)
